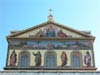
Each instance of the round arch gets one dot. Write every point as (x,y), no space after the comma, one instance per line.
(24,59)
(76,59)
(50,59)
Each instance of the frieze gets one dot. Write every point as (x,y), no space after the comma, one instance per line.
(50,45)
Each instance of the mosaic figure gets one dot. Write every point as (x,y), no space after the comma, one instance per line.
(39,34)
(37,58)
(87,59)
(13,58)
(50,32)
(61,34)
(63,58)
(50,46)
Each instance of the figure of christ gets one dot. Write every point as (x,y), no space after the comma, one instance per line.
(50,32)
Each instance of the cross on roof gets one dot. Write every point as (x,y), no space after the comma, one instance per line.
(50,17)
(50,10)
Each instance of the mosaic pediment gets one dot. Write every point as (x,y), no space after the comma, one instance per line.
(50,30)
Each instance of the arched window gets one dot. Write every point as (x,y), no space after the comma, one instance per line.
(24,59)
(50,59)
(76,59)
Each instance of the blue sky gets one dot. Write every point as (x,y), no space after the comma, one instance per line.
(22,14)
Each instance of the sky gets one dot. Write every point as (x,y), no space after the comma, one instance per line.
(23,14)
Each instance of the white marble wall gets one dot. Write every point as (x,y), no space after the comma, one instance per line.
(49,73)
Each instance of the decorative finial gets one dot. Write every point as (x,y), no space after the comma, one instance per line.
(50,17)
(50,10)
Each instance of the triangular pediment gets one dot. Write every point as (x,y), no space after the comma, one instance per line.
(50,29)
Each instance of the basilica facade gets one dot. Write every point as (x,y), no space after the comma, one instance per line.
(50,46)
